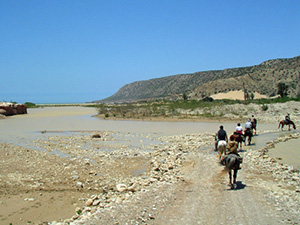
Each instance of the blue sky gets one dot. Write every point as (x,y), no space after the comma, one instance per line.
(63,51)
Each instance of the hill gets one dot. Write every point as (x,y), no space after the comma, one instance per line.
(262,79)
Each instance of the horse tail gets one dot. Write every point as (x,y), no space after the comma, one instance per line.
(280,123)
(223,172)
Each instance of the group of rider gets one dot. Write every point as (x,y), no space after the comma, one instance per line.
(232,145)
(222,135)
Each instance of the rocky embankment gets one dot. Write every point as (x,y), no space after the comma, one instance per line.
(10,109)
(267,113)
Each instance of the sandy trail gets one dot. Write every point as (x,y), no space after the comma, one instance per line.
(206,198)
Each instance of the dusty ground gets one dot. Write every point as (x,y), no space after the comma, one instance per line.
(183,185)
(40,186)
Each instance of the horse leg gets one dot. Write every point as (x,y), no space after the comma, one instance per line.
(234,176)
(230,179)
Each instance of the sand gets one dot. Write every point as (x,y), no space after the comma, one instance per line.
(236,95)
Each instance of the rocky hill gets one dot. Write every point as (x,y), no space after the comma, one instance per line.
(262,78)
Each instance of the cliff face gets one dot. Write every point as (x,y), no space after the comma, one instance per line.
(261,78)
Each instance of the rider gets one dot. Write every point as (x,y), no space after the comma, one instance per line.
(232,149)
(287,119)
(248,125)
(239,129)
(232,146)
(221,135)
(254,123)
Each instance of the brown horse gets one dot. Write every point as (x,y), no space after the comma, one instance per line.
(289,123)
(239,138)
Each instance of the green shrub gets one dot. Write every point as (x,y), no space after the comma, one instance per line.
(30,105)
(264,107)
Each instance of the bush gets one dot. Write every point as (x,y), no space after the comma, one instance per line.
(30,105)
(264,107)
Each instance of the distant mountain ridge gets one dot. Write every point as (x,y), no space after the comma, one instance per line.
(262,78)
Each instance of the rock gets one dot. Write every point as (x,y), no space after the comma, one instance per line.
(89,202)
(121,187)
(133,187)
(96,202)
(96,136)
(79,185)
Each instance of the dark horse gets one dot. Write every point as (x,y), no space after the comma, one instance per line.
(239,138)
(248,133)
(231,162)
(289,123)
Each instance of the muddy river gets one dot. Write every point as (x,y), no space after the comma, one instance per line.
(21,129)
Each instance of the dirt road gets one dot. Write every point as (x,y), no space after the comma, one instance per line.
(207,199)
(204,197)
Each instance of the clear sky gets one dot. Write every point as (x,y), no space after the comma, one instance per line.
(67,51)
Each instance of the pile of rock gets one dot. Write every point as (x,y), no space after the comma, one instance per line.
(164,170)
(10,109)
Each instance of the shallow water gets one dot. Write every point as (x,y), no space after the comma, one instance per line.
(287,153)
(22,129)
(66,119)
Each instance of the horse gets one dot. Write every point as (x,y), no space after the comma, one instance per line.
(239,138)
(222,148)
(248,133)
(284,122)
(231,162)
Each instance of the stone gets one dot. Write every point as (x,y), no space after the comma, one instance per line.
(79,185)
(89,202)
(121,187)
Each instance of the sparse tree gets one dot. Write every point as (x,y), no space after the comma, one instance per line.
(185,97)
(282,89)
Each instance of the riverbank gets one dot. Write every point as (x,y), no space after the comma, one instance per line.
(265,113)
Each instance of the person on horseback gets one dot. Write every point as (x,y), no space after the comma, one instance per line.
(248,125)
(287,119)
(254,124)
(248,131)
(221,135)
(232,146)
(232,150)
(239,129)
